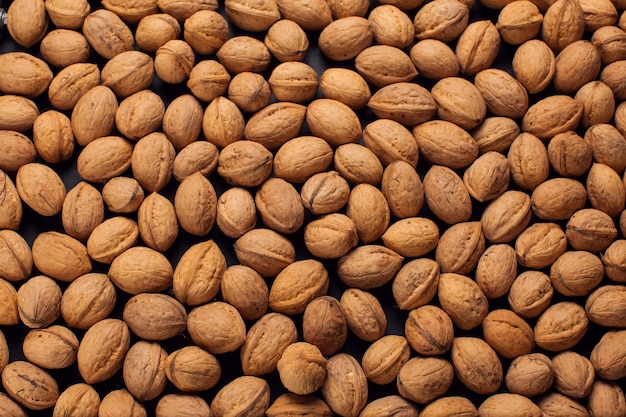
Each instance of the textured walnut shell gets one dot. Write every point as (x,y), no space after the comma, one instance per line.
(302,368)
(287,41)
(248,395)
(368,209)
(406,103)
(51,348)
(345,388)
(477,365)
(205,31)
(577,64)
(153,161)
(569,155)
(301,158)
(290,403)
(102,350)
(144,370)
(67,14)
(16,260)
(154,316)
(384,358)
(62,47)
(358,164)
(456,294)
(53,137)
(296,285)
(574,374)
(444,143)
(208,79)
(324,325)
(540,245)
(141,269)
(412,237)
(198,156)
(4,353)
(576,273)
(222,122)
(450,406)
(323,118)
(530,375)
(245,163)
(93,115)
(496,270)
(182,405)
(508,334)
(488,176)
(368,266)
(558,199)
(605,190)
(128,72)
(122,195)
(184,9)
(530,294)
(23,74)
(382,65)
(158,226)
(121,399)
(112,237)
(89,299)
(265,251)
(403,188)
(279,206)
(391,405)
(442,20)
(19,151)
(477,47)
(429,330)
(561,326)
(29,385)
(41,188)
(78,399)
(506,217)
(495,134)
(294,81)
(364,314)
(276,124)
(610,42)
(346,86)
(198,273)
(60,256)
(391,26)
(345,38)
(434,59)
(460,247)
(604,306)
(195,203)
(139,114)
(424,379)
(131,12)
(173,61)
(552,115)
(309,14)
(11,204)
(17,113)
(216,327)
(8,296)
(390,141)
(39,302)
(608,355)
(107,34)
(536,74)
(104,158)
(446,195)
(192,369)
(503,94)
(249,91)
(236,212)
(514,405)
(246,290)
(519,22)
(606,398)
(607,146)
(244,53)
(563,24)
(325,193)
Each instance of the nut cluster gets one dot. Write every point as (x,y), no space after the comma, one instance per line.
(460,180)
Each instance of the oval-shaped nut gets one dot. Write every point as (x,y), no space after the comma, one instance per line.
(89,299)
(364,314)
(416,283)
(406,103)
(112,237)
(249,91)
(139,114)
(444,143)
(442,20)
(198,274)
(561,326)
(558,199)
(508,334)
(107,34)
(93,115)
(62,47)
(384,358)
(530,375)
(51,348)
(153,161)
(446,195)
(19,151)
(23,74)
(182,121)
(390,141)
(450,406)
(10,203)
(131,13)
(530,294)
(245,163)
(569,154)
(495,134)
(236,212)
(606,398)
(275,124)
(434,59)
(345,86)
(29,385)
(294,81)
(286,40)
(336,228)
(574,374)
(265,251)
(496,270)
(16,261)
(302,157)
(122,195)
(403,188)
(298,284)
(17,113)
(53,137)
(477,365)
(577,64)
(506,217)
(102,350)
(77,400)
(244,395)
(503,94)
(605,190)
(82,211)
(104,158)
(552,115)
(488,176)
(245,289)
(155,316)
(223,122)
(505,403)
(368,266)
(608,355)
(140,269)
(345,375)
(429,330)
(128,72)
(358,164)
(368,209)
(382,65)
(345,38)
(537,74)
(519,22)
(607,146)
(144,370)
(10,311)
(477,47)
(279,206)
(614,261)
(216,327)
(310,15)
(244,53)
(205,31)
(324,324)
(120,399)
(40,188)
(576,273)
(325,193)
(265,343)
(67,14)
(199,156)
(60,256)
(173,61)
(333,121)
(192,369)
(158,225)
(195,203)
(208,79)
(604,306)
(460,247)
(412,237)
(609,40)
(424,379)
(540,245)
(391,26)
(456,294)
(391,405)
(39,302)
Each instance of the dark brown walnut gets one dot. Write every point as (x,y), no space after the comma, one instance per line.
(416,283)
(324,324)
(530,375)
(364,314)
(429,330)
(496,270)
(530,294)
(265,343)
(561,326)
(192,369)
(460,247)
(508,334)
(424,379)
(477,365)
